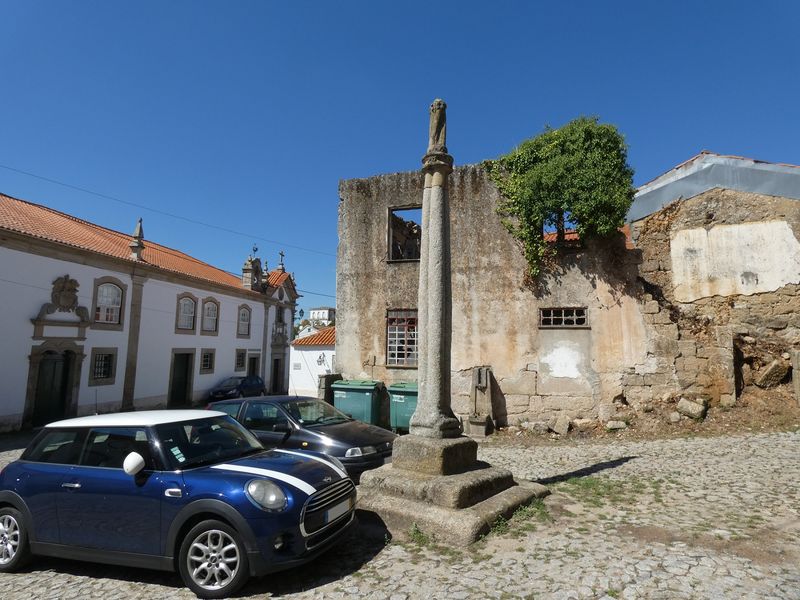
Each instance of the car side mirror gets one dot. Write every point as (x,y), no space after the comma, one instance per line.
(281,427)
(134,463)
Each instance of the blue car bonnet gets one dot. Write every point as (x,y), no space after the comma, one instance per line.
(304,471)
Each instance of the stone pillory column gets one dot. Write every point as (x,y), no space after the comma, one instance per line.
(435,482)
(433,417)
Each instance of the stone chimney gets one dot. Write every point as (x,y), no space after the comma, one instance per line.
(137,243)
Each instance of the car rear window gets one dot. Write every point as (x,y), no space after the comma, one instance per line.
(57,446)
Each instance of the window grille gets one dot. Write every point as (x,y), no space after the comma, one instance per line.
(207,361)
(103,367)
(401,338)
(563,317)
(244,322)
(186,313)
(210,311)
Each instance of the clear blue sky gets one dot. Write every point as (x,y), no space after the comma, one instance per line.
(245,115)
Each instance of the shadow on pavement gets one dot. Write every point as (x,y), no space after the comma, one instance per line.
(345,558)
(586,471)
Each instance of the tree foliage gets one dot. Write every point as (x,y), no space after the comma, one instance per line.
(578,174)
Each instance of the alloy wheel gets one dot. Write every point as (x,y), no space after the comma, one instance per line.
(213,559)
(9,539)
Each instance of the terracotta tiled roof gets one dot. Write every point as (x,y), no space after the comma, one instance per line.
(48,224)
(570,235)
(277,278)
(324,337)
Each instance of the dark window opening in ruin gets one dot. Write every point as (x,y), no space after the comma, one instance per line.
(405,233)
(401,338)
(560,228)
(563,317)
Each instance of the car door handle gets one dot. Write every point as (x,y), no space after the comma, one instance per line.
(173,493)
(72,486)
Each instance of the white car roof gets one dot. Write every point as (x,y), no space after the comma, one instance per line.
(144,418)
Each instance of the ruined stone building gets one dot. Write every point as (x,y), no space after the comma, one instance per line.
(708,266)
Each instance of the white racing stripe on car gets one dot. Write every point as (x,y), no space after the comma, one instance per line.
(294,481)
(316,458)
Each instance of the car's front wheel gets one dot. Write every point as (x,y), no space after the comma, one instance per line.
(14,548)
(213,560)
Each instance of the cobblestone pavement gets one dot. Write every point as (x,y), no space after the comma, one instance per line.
(674,518)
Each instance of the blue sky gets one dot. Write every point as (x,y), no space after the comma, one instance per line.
(245,115)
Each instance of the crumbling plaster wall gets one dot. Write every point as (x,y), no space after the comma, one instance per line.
(495,311)
(721,265)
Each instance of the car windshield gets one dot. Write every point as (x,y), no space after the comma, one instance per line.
(311,413)
(231,382)
(188,444)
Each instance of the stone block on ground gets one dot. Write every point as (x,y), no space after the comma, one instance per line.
(692,409)
(539,427)
(772,374)
(615,425)
(674,417)
(560,424)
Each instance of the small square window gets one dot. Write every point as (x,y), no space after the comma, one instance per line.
(103,366)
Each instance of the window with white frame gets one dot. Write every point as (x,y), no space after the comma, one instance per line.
(108,303)
(401,338)
(243,327)
(241,360)
(186,309)
(207,360)
(563,317)
(210,316)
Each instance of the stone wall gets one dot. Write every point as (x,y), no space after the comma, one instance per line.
(706,310)
(655,332)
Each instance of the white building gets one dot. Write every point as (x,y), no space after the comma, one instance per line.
(98,321)
(322,316)
(310,357)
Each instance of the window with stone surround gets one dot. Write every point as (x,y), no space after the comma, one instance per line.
(108,302)
(401,338)
(207,360)
(241,360)
(185,321)
(243,323)
(566,317)
(103,366)
(210,317)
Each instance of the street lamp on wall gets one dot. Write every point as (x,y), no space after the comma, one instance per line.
(321,359)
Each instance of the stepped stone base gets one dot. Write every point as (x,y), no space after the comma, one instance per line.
(439,486)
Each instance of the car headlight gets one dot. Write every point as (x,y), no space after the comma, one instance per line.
(364,451)
(232,392)
(266,494)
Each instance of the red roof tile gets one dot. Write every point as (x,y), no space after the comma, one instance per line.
(48,224)
(570,235)
(324,337)
(277,278)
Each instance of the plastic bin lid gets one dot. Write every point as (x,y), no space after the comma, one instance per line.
(357,384)
(403,386)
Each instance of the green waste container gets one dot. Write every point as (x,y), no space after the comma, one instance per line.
(402,404)
(359,398)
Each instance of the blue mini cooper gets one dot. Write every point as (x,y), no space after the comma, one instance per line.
(185,490)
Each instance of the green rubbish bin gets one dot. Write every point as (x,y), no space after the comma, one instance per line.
(359,398)
(402,404)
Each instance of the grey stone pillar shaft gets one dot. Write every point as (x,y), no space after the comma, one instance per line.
(434,416)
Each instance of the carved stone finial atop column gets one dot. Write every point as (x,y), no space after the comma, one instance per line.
(137,243)
(437,155)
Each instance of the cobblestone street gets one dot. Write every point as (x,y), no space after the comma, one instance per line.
(674,518)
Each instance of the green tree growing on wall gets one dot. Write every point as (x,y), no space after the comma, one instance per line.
(576,176)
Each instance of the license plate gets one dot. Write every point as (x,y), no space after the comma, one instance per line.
(338,510)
